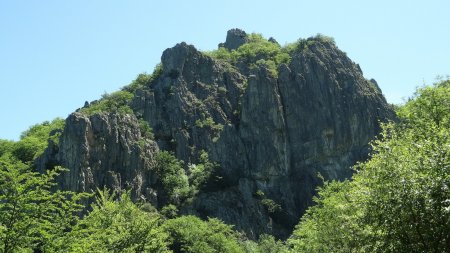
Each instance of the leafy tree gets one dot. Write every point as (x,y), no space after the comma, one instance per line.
(333,224)
(201,172)
(33,141)
(266,243)
(144,80)
(429,106)
(117,102)
(191,235)
(115,225)
(6,147)
(172,176)
(32,215)
(146,130)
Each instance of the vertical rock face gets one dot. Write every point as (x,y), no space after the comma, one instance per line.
(235,39)
(271,135)
(103,150)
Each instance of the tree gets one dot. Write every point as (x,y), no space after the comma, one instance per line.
(33,141)
(172,177)
(191,235)
(115,224)
(32,214)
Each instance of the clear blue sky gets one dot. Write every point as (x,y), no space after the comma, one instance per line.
(54,55)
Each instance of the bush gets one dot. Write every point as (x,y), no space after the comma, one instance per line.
(146,130)
(256,52)
(172,176)
(201,173)
(32,215)
(33,141)
(144,80)
(191,235)
(115,224)
(117,102)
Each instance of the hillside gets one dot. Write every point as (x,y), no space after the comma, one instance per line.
(240,133)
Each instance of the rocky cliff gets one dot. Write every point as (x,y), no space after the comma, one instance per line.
(271,130)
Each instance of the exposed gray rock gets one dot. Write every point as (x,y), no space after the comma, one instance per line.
(235,39)
(270,135)
(273,40)
(103,150)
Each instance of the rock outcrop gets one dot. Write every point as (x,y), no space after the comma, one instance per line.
(103,150)
(235,39)
(270,135)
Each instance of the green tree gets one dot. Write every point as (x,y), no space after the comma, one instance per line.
(333,224)
(191,235)
(115,224)
(200,173)
(173,177)
(116,102)
(268,243)
(32,215)
(33,141)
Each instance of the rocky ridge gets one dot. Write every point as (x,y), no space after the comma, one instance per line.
(271,135)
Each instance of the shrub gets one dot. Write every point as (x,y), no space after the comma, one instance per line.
(209,123)
(144,80)
(200,173)
(146,130)
(257,48)
(191,235)
(172,176)
(117,102)
(33,141)
(115,224)
(33,216)
(271,205)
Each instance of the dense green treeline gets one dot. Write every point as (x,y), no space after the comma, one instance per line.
(397,201)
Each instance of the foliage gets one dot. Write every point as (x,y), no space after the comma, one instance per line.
(169,211)
(6,147)
(398,201)
(146,130)
(256,52)
(332,224)
(172,176)
(209,123)
(191,235)
(201,172)
(303,44)
(268,243)
(32,142)
(144,80)
(116,225)
(269,204)
(430,105)
(140,82)
(32,215)
(117,102)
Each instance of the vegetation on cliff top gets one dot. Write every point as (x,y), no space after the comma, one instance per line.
(259,51)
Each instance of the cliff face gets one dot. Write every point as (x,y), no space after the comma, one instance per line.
(103,150)
(270,134)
